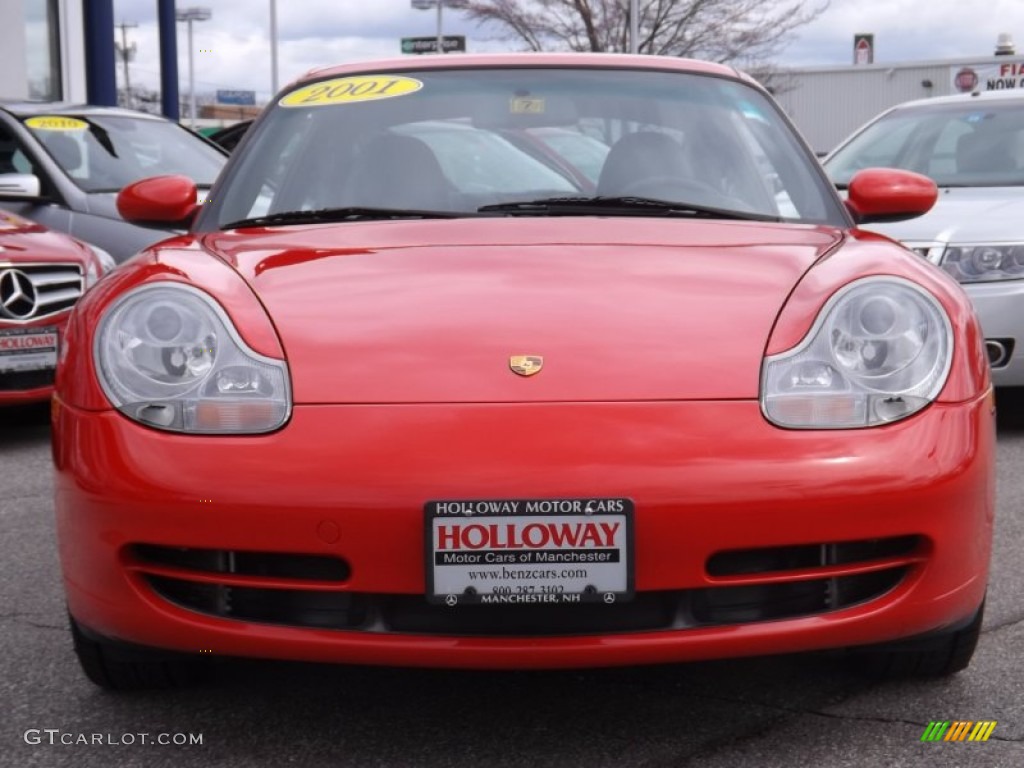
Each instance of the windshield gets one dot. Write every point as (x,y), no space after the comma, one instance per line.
(458,140)
(974,144)
(104,154)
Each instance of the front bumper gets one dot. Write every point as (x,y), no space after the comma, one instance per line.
(348,484)
(31,386)
(1000,309)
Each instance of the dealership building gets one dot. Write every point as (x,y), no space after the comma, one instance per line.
(42,50)
(63,50)
(829,103)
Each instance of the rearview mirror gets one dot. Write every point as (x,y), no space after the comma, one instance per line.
(159,201)
(887,194)
(19,186)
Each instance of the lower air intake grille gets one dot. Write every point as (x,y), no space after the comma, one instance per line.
(649,611)
(278,565)
(753,585)
(19,381)
(738,562)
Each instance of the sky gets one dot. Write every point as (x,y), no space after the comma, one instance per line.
(232,49)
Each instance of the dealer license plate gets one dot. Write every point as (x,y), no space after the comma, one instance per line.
(529,551)
(28,349)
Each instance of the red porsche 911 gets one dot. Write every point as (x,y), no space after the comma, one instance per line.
(42,275)
(407,394)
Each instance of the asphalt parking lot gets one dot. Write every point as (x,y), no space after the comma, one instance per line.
(784,711)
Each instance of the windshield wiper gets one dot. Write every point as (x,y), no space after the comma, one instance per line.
(621,206)
(349,213)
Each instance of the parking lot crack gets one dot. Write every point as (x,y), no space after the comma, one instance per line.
(25,618)
(1003,625)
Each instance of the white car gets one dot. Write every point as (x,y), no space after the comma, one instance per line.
(972,146)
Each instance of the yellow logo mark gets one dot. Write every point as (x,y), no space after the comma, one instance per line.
(347,90)
(526,365)
(982,730)
(56,123)
(206,501)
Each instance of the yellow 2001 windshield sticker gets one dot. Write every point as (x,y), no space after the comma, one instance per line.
(347,90)
(56,123)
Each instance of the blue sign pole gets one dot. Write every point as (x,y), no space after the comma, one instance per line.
(100,77)
(168,59)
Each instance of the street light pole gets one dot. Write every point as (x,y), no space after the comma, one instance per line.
(127,53)
(273,47)
(188,16)
(440,36)
(191,78)
(634,26)
(425,5)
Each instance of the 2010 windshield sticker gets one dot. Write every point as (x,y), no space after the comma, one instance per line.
(347,90)
(56,123)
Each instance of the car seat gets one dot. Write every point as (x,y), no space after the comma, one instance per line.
(399,172)
(639,156)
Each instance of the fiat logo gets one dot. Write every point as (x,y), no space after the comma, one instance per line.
(966,80)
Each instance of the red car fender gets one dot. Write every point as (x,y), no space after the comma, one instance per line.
(864,254)
(178,260)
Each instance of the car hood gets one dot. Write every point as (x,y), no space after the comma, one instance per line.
(432,311)
(965,215)
(23,241)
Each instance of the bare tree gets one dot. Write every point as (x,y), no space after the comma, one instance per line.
(742,32)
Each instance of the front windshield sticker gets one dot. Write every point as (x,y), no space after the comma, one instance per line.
(527,105)
(55,123)
(346,90)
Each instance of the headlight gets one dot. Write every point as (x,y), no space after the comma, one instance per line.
(168,356)
(879,351)
(106,263)
(984,263)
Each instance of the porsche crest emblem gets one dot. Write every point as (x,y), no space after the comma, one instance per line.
(526,365)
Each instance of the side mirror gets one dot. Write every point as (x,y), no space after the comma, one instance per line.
(160,201)
(887,194)
(20,186)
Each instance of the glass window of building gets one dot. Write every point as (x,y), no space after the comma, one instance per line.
(42,50)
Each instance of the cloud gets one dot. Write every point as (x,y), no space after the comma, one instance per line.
(906,30)
(232,49)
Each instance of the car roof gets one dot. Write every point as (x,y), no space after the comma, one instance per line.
(977,97)
(485,60)
(30,108)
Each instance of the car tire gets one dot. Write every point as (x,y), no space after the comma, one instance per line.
(122,667)
(938,654)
